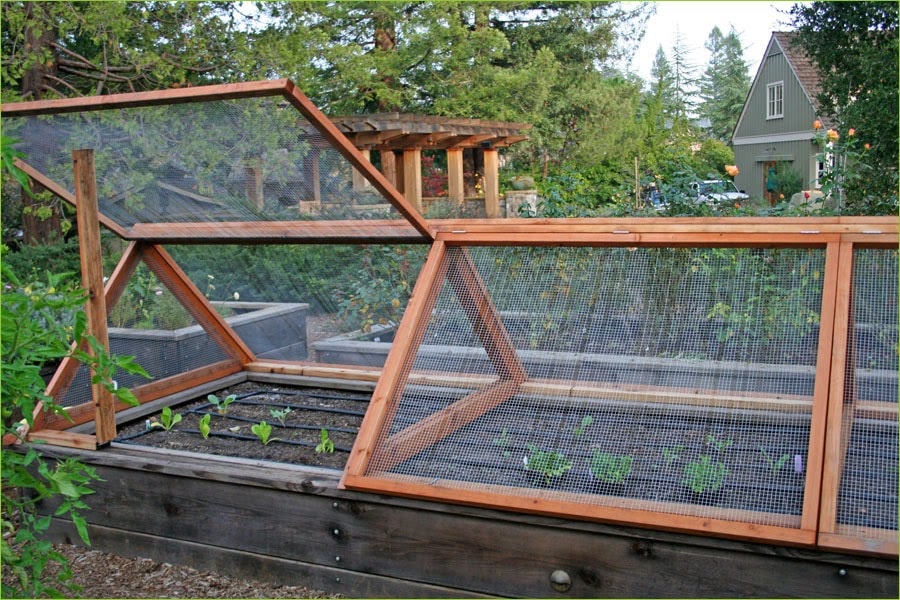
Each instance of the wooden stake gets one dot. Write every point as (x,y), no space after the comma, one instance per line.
(92,279)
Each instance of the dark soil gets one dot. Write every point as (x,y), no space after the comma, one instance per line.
(295,441)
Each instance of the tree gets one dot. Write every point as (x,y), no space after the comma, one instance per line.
(854,46)
(725,83)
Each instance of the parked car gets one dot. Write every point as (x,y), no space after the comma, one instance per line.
(713,191)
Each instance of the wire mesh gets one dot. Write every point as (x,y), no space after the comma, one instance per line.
(251,159)
(867,496)
(678,379)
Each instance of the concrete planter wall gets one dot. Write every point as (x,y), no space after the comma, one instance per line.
(358,348)
(271,330)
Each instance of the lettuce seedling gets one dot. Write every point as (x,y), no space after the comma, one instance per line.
(167,420)
(204,425)
(263,431)
(221,405)
(325,444)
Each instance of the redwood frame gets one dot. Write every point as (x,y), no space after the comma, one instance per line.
(831,411)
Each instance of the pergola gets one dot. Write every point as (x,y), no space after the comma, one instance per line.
(400,139)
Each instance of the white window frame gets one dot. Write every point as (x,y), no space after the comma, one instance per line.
(775,100)
(822,167)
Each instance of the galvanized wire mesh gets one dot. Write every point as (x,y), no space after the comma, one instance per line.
(678,379)
(251,159)
(867,496)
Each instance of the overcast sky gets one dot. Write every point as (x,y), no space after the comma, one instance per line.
(753,20)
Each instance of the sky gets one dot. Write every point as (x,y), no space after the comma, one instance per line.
(753,20)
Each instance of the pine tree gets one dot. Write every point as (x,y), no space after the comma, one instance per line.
(725,83)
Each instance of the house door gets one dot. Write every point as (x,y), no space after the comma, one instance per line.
(770,182)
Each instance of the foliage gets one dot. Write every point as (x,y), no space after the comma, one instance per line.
(550,464)
(325,445)
(725,83)
(855,48)
(719,444)
(704,475)
(775,464)
(503,441)
(221,404)
(611,468)
(280,413)
(203,425)
(586,422)
(378,293)
(671,455)
(42,323)
(167,419)
(263,431)
(31,261)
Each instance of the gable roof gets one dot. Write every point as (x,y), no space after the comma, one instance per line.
(803,68)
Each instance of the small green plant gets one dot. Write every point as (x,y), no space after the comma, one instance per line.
(167,419)
(221,404)
(704,475)
(325,444)
(204,425)
(775,464)
(611,468)
(279,414)
(585,423)
(263,431)
(672,454)
(547,463)
(503,441)
(720,445)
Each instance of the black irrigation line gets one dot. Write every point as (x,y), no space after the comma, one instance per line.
(305,395)
(248,438)
(201,411)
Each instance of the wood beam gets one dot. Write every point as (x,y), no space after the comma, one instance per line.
(359,182)
(491,183)
(280,232)
(455,179)
(171,275)
(92,280)
(412,177)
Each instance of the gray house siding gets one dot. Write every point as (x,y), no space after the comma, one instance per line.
(759,141)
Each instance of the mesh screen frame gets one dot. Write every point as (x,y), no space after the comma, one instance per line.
(489,392)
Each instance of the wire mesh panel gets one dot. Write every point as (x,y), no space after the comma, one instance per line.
(249,159)
(867,496)
(671,380)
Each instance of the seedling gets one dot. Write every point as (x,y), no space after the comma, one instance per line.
(280,414)
(167,420)
(611,468)
(549,464)
(704,475)
(672,454)
(221,405)
(325,444)
(720,445)
(263,431)
(775,465)
(503,441)
(204,425)
(585,423)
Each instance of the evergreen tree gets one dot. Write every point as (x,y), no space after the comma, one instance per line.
(725,83)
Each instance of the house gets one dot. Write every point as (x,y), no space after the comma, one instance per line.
(775,129)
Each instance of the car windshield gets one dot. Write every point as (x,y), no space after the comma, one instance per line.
(718,187)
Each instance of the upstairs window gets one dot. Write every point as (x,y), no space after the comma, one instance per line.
(775,100)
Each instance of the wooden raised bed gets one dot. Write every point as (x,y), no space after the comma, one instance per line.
(292,524)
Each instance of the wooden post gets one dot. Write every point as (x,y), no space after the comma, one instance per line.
(254,185)
(412,177)
(491,183)
(358,181)
(455,180)
(389,167)
(87,213)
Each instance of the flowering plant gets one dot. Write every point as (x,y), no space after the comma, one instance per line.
(846,167)
(732,170)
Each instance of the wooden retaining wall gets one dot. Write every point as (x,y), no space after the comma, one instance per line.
(292,525)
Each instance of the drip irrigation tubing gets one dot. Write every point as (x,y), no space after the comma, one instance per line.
(197,411)
(247,438)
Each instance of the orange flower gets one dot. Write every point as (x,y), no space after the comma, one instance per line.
(832,135)
(732,170)
(781,196)
(817,124)
(851,132)
(867,145)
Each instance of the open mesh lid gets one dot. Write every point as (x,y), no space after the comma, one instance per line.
(174,157)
